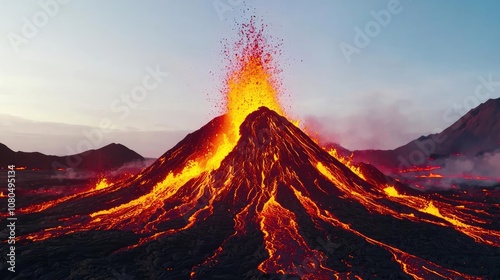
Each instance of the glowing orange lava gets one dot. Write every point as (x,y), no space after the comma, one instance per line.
(431,175)
(102,184)
(252,80)
(347,162)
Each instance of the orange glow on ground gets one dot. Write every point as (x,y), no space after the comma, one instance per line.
(102,184)
(347,162)
(431,175)
(456,217)
(391,191)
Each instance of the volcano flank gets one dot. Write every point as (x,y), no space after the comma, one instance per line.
(275,206)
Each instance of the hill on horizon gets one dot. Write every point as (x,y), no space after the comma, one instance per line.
(474,134)
(105,158)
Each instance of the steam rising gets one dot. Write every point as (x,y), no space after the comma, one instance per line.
(376,124)
(133,167)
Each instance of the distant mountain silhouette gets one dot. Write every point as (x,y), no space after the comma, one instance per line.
(106,158)
(476,133)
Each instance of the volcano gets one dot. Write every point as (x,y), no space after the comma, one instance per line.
(251,196)
(275,206)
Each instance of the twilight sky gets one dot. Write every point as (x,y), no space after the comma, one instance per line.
(65,68)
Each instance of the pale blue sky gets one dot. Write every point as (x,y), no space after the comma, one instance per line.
(65,78)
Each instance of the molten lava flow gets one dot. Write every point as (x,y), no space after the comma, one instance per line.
(347,162)
(102,184)
(431,175)
(458,218)
(147,204)
(281,232)
(391,191)
(419,169)
(410,264)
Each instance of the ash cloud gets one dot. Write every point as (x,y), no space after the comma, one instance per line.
(376,124)
(487,165)
(464,172)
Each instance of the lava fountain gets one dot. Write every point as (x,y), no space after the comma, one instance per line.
(252,76)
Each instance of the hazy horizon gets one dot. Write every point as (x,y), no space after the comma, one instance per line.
(167,139)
